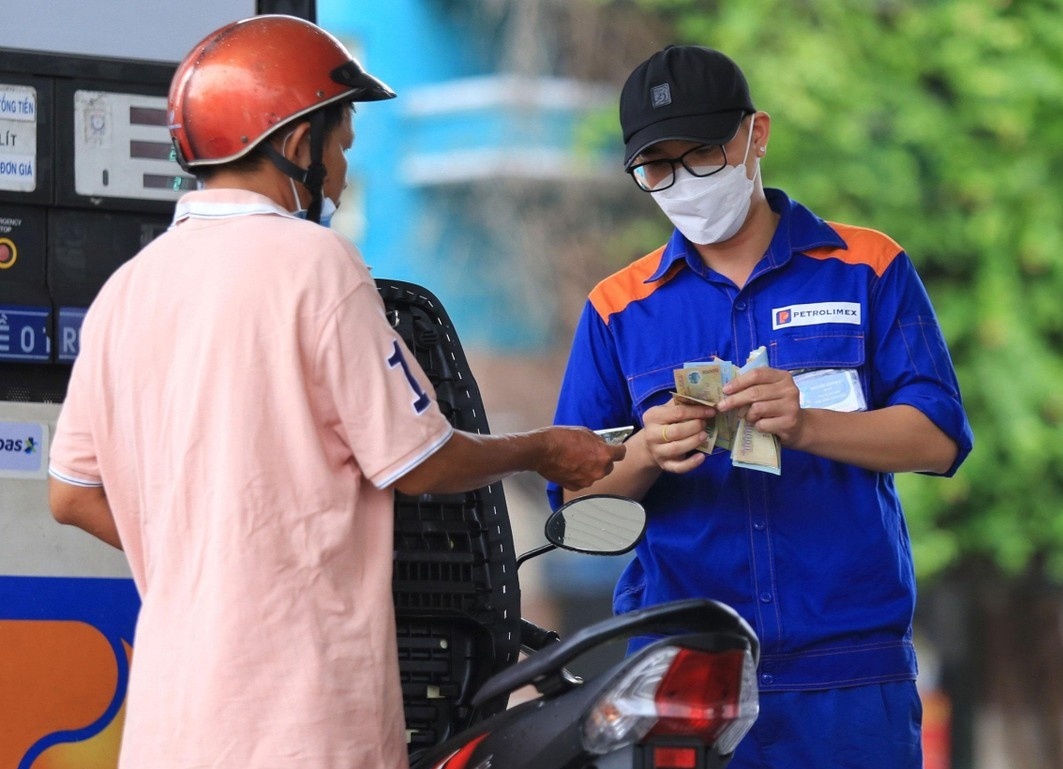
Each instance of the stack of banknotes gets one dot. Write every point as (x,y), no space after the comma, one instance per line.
(701,383)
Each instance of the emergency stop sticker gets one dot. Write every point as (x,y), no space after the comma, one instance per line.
(23,450)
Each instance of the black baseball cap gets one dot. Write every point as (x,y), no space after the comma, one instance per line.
(684,92)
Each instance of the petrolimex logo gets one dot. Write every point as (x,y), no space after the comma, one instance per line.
(815,314)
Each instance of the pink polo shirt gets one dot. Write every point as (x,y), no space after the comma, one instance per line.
(244,402)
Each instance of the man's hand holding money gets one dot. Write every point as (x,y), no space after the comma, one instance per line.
(673,433)
(767,398)
(736,393)
(769,403)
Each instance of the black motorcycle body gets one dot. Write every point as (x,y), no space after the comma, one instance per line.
(690,697)
(681,702)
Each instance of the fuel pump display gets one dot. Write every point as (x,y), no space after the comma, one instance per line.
(122,147)
(87,178)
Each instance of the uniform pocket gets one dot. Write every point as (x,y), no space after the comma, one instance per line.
(652,388)
(823,348)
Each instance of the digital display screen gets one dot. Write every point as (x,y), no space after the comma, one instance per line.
(151,150)
(122,147)
(175,183)
(147,116)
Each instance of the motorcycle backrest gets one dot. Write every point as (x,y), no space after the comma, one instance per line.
(457,599)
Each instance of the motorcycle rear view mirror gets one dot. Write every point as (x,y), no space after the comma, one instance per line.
(599,524)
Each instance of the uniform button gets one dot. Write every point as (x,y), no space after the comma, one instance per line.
(740,306)
(767,679)
(758,525)
(765,597)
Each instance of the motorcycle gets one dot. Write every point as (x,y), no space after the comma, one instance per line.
(682,702)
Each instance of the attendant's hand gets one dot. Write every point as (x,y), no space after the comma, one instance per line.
(672,432)
(769,400)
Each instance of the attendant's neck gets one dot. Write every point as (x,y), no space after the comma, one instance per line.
(736,257)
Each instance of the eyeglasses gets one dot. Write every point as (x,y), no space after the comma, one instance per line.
(657,175)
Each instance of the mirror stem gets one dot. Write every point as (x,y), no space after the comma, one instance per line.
(535,552)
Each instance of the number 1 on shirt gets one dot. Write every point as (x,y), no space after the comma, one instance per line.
(422,400)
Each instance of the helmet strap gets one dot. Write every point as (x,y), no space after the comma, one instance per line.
(180,158)
(312,177)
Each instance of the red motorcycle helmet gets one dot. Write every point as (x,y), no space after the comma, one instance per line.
(245,80)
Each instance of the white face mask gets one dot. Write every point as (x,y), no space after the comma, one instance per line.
(328,208)
(710,209)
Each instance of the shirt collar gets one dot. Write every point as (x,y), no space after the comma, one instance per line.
(799,230)
(225,204)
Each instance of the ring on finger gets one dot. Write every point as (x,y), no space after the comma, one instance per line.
(664,434)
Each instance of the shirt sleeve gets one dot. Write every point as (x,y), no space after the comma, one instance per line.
(72,457)
(385,407)
(594,392)
(911,364)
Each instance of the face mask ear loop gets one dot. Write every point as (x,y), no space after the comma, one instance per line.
(749,139)
(291,180)
(313,178)
(749,143)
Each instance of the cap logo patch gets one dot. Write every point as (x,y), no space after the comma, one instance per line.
(661,95)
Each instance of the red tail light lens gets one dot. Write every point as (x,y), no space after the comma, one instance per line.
(710,696)
(699,695)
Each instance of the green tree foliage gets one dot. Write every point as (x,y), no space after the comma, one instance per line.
(941,124)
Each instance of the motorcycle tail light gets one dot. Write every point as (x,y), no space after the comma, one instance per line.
(672,692)
(709,695)
(664,757)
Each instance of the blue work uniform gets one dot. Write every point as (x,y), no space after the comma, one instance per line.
(817,559)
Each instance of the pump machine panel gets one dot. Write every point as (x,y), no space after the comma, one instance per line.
(87,178)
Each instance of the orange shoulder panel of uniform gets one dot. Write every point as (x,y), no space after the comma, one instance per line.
(866,246)
(629,285)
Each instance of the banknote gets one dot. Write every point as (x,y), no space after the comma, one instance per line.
(758,358)
(755,450)
(701,383)
(616,435)
(726,424)
(712,436)
(689,400)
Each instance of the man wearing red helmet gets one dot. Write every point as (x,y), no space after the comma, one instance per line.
(238,417)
